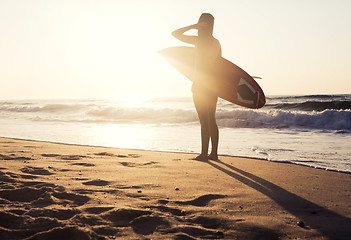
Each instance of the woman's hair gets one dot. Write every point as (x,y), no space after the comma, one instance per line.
(208,19)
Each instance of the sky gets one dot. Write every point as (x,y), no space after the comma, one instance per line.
(70,49)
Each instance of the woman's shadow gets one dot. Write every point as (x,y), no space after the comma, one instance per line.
(331,224)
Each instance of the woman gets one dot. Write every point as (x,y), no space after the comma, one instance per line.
(207,51)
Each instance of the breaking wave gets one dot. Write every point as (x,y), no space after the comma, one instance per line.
(313,105)
(316,112)
(324,120)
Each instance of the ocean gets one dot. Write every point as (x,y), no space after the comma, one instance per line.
(312,130)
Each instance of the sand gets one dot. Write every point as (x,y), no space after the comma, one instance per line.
(60,191)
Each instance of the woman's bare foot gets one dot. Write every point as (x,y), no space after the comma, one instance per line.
(201,157)
(213,157)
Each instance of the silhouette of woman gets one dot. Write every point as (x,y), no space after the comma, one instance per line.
(207,51)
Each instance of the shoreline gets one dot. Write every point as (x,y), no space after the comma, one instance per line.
(181,152)
(84,192)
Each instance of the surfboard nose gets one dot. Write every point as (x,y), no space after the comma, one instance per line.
(261,102)
(247,94)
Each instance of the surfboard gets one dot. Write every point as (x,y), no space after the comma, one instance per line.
(228,80)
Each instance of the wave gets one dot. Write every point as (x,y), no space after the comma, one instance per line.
(313,105)
(339,120)
(310,102)
(336,120)
(320,115)
(313,97)
(29,107)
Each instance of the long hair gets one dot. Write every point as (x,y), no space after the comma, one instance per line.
(205,34)
(209,20)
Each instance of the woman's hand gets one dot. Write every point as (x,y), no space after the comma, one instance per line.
(194,26)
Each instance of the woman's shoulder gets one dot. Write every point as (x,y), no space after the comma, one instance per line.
(216,41)
(217,46)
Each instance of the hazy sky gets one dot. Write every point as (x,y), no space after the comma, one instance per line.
(107,49)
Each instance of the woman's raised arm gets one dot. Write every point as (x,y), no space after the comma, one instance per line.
(179,34)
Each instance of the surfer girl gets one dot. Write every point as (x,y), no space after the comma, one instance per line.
(207,51)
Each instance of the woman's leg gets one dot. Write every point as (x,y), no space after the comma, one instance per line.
(205,136)
(214,133)
(201,106)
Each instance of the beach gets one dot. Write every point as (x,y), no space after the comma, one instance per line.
(310,130)
(67,191)
(103,113)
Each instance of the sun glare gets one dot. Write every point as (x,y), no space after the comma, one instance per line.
(122,54)
(124,136)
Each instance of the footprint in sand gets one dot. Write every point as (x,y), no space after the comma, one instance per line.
(63,157)
(72,198)
(72,157)
(105,154)
(146,225)
(42,194)
(50,155)
(69,232)
(80,179)
(14,157)
(84,164)
(35,171)
(149,163)
(118,155)
(207,222)
(6,178)
(171,210)
(133,164)
(193,232)
(61,214)
(127,164)
(21,194)
(201,201)
(28,176)
(122,217)
(97,182)
(97,210)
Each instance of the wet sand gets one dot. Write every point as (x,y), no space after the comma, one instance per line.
(61,191)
